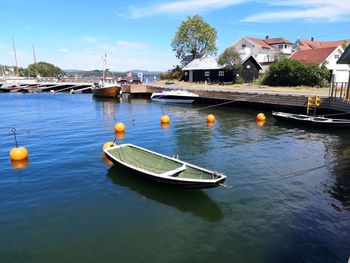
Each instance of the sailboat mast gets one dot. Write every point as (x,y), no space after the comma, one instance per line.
(36,66)
(14,50)
(104,66)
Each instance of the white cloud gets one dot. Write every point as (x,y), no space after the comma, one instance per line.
(307,10)
(63,50)
(26,28)
(180,7)
(90,39)
(129,45)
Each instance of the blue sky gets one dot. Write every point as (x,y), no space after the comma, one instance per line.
(137,34)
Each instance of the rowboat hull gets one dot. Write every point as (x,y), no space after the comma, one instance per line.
(313,121)
(162,169)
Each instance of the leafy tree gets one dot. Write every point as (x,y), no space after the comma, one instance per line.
(45,70)
(231,59)
(174,74)
(194,36)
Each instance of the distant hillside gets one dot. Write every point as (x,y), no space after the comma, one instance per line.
(145,72)
(97,73)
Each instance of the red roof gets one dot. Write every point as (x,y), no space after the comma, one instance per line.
(315,56)
(268,42)
(260,42)
(279,40)
(305,44)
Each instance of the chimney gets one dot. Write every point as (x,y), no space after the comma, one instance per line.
(267,37)
(312,38)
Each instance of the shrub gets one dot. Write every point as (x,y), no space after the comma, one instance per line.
(239,80)
(293,73)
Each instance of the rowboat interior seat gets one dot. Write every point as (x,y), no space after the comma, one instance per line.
(175,172)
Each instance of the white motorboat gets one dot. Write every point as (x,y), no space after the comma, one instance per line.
(174,96)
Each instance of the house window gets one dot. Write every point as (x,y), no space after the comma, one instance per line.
(285,46)
(280,46)
(336,56)
(244,45)
(206,73)
(248,66)
(185,73)
(221,73)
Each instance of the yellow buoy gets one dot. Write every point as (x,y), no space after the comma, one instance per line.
(107,145)
(119,127)
(165,119)
(18,154)
(20,165)
(210,118)
(260,117)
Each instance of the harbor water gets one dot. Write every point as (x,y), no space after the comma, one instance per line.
(290,200)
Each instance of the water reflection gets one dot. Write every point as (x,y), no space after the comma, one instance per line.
(20,165)
(192,201)
(341,188)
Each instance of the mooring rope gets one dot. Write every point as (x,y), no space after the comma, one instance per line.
(227,102)
(291,175)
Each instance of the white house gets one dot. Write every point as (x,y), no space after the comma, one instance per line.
(265,51)
(328,57)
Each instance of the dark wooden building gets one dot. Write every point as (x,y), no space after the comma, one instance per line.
(208,69)
(250,69)
(345,57)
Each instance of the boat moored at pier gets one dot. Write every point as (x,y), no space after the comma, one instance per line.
(107,88)
(174,96)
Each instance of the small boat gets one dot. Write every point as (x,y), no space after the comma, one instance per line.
(163,169)
(106,88)
(174,96)
(316,121)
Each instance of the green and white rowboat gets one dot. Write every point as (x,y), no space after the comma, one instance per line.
(163,169)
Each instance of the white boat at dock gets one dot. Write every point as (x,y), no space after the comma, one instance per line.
(174,96)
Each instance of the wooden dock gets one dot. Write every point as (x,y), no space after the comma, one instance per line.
(294,101)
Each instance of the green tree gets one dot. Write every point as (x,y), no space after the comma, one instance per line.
(44,70)
(231,59)
(194,36)
(174,74)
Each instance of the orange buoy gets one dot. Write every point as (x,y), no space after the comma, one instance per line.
(119,135)
(260,117)
(19,154)
(119,127)
(210,118)
(164,119)
(108,145)
(260,123)
(20,165)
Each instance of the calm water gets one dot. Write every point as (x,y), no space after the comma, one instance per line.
(290,201)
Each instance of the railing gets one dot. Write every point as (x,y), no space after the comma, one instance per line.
(340,91)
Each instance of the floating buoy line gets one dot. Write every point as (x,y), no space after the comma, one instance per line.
(18,153)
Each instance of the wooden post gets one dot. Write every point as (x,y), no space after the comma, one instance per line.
(332,87)
(341,91)
(347,91)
